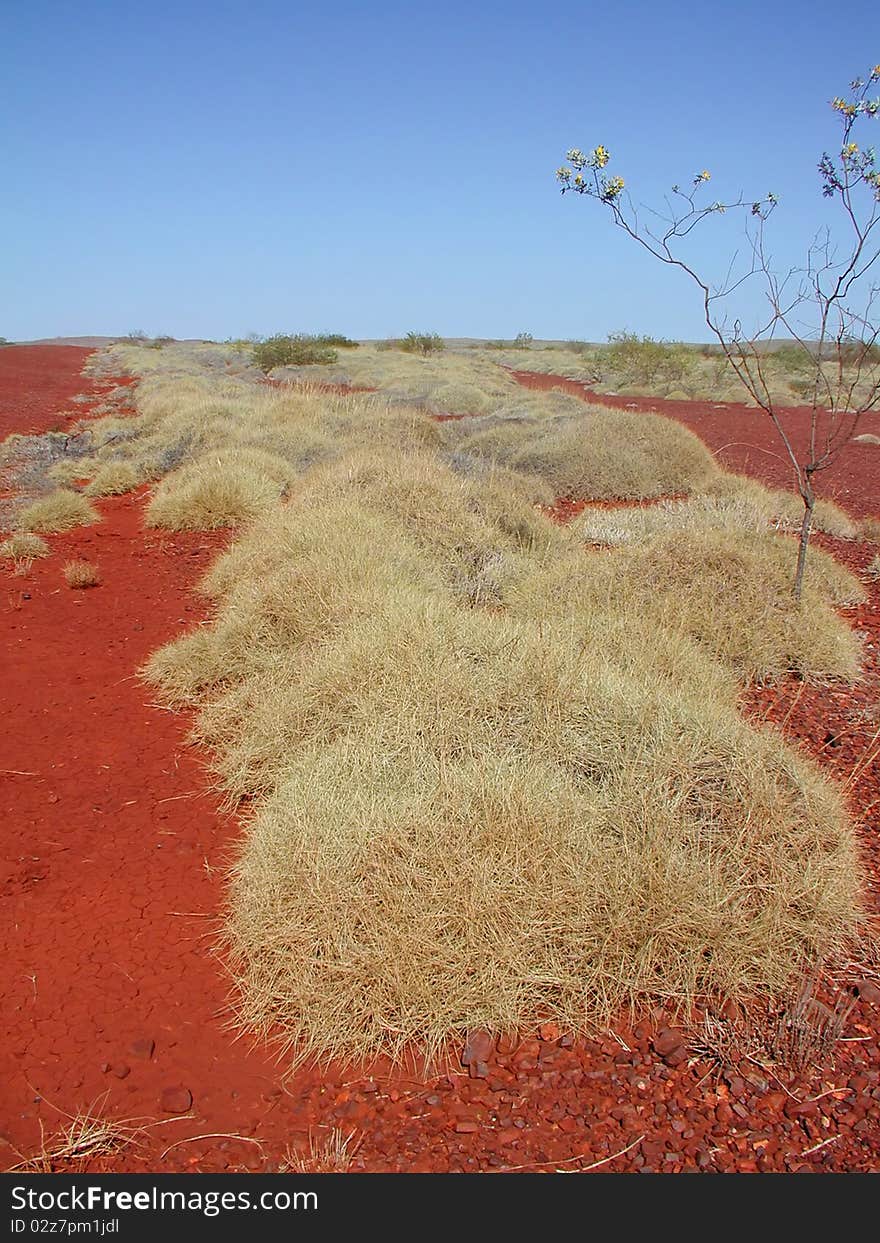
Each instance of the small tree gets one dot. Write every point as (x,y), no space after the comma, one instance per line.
(826,307)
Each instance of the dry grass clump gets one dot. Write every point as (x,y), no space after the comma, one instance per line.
(208,494)
(482,824)
(475,816)
(726,503)
(594,453)
(494,778)
(86,1137)
(872,573)
(68,472)
(112,479)
(24,546)
(783,510)
(728,591)
(81,574)
(58,511)
(332,1155)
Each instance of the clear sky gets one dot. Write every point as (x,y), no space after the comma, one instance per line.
(217,168)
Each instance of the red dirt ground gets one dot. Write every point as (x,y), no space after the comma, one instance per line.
(112,854)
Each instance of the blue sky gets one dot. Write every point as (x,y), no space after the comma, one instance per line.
(214,169)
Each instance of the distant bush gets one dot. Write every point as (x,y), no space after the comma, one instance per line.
(336,340)
(284,350)
(793,357)
(642,360)
(578,347)
(159,342)
(4,341)
(523,341)
(422,343)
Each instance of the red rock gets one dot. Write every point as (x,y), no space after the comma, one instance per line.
(463,1127)
(478,1047)
(868,991)
(142,1049)
(175,1100)
(121,1071)
(724,1114)
(800,1109)
(549,1032)
(669,1043)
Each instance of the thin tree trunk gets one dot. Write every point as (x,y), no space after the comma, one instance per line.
(806,527)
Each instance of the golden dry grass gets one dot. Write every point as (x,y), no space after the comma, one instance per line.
(493,777)
(332,1154)
(24,546)
(112,479)
(480,824)
(482,816)
(58,511)
(592,452)
(209,494)
(726,503)
(729,591)
(69,472)
(81,574)
(87,1136)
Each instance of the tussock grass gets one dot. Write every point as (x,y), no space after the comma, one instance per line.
(783,510)
(81,574)
(674,370)
(210,493)
(728,503)
(68,472)
(729,591)
(591,452)
(523,830)
(493,777)
(112,479)
(61,510)
(24,546)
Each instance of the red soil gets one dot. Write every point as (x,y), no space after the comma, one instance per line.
(112,854)
(36,382)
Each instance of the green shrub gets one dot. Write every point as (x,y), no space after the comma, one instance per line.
(284,350)
(422,343)
(642,360)
(523,341)
(336,340)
